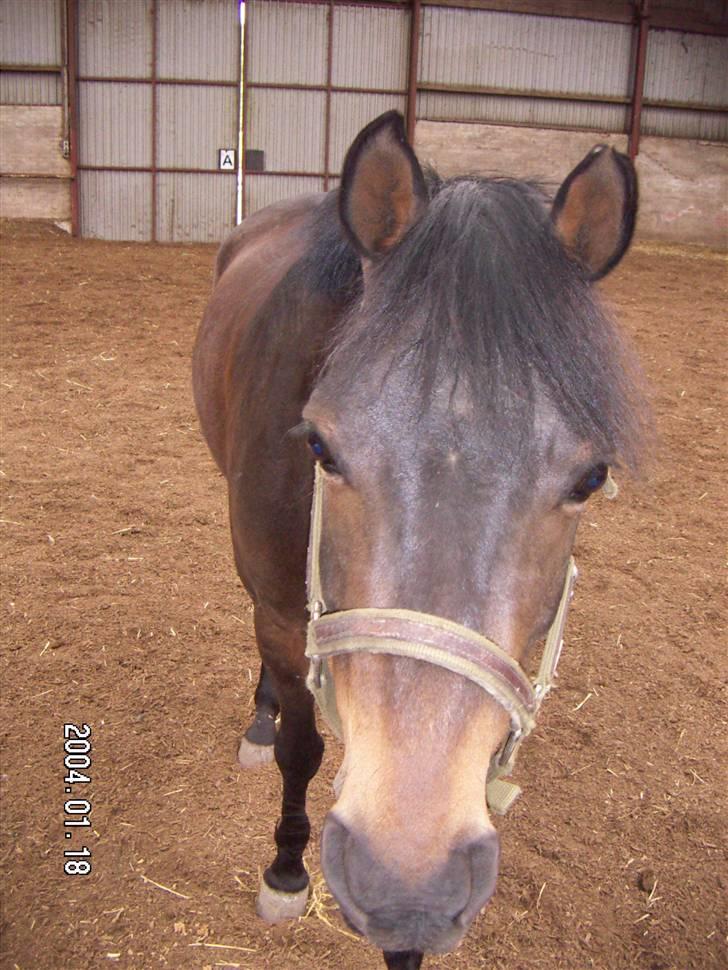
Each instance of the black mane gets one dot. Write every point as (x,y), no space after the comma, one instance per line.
(482,289)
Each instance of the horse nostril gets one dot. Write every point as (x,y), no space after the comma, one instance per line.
(334,840)
(430,914)
(483,855)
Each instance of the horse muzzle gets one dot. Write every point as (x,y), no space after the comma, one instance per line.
(431,915)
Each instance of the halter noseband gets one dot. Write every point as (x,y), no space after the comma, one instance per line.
(421,636)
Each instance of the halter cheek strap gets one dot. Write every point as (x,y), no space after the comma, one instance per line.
(435,640)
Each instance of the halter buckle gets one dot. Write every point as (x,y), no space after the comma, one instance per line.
(315,671)
(509,746)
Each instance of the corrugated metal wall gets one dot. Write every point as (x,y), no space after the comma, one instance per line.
(318,72)
(691,69)
(370,48)
(31,34)
(158,95)
(524,53)
(552,72)
(315,75)
(115,41)
(584,62)
(158,91)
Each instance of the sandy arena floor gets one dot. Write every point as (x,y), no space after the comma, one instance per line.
(121,609)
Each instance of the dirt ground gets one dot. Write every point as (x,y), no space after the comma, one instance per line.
(121,609)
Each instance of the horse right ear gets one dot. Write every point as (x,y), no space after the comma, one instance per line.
(595,209)
(383,191)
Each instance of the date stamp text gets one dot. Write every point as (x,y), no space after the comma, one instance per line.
(77,762)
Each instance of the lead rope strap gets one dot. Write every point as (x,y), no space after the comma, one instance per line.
(316,603)
(500,794)
(319,680)
(555,640)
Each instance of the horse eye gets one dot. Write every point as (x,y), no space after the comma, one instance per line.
(321,453)
(590,483)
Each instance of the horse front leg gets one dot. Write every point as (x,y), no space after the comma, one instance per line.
(256,746)
(298,751)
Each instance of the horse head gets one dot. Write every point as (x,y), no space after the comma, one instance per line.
(473,399)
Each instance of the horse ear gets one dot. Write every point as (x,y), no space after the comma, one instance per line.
(594,210)
(383,190)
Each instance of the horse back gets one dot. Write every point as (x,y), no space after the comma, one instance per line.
(250,264)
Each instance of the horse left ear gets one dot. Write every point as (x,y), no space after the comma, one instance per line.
(383,190)
(595,209)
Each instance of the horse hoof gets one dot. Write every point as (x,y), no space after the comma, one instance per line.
(275,907)
(252,755)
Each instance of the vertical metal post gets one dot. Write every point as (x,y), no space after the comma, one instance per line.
(240,193)
(412,67)
(639,77)
(72,68)
(154,123)
(327,106)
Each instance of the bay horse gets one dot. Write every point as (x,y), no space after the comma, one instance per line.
(432,355)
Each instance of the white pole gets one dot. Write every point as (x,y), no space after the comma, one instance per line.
(241,119)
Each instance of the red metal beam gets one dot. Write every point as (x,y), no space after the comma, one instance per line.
(160,170)
(187,82)
(412,67)
(334,88)
(246,103)
(72,49)
(327,103)
(639,78)
(154,120)
(32,68)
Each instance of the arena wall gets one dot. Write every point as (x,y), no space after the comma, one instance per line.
(34,175)
(683,182)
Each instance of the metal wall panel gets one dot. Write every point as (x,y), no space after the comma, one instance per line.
(33,88)
(435,106)
(678,123)
(192,123)
(114,123)
(287,42)
(115,205)
(182,23)
(289,127)
(524,53)
(115,39)
(30,32)
(196,42)
(263,190)
(349,114)
(195,208)
(370,47)
(687,68)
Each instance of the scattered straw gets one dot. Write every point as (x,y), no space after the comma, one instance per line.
(576,771)
(323,906)
(582,703)
(159,885)
(225,946)
(684,251)
(652,898)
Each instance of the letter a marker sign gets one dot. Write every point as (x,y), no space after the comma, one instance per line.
(226,161)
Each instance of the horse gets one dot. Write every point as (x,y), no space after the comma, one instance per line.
(424,362)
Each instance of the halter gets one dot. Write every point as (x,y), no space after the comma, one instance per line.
(421,636)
